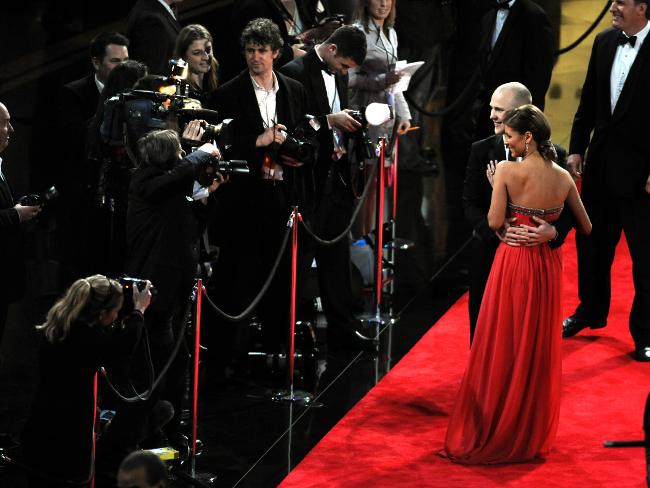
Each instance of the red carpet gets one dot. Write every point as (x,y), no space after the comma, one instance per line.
(391,436)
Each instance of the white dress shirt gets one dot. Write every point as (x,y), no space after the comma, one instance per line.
(502,15)
(267,103)
(623,61)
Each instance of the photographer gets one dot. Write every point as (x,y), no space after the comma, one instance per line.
(263,104)
(162,245)
(12,217)
(324,74)
(80,334)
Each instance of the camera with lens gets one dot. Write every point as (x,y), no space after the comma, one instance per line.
(207,172)
(128,285)
(370,116)
(41,199)
(298,144)
(160,102)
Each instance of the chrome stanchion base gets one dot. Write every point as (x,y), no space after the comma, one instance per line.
(202,479)
(296,397)
(377,319)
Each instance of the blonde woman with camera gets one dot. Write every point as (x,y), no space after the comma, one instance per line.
(81,333)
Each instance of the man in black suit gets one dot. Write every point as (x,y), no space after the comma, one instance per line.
(152,27)
(12,215)
(79,101)
(477,194)
(518,46)
(264,105)
(616,179)
(323,73)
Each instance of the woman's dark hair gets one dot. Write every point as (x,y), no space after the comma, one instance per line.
(263,32)
(189,34)
(528,118)
(159,148)
(362,16)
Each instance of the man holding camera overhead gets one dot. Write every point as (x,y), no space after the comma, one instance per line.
(323,72)
(264,105)
(162,229)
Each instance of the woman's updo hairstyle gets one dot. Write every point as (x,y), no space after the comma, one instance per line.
(83,302)
(528,118)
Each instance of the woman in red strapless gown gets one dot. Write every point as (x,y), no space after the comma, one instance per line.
(507,409)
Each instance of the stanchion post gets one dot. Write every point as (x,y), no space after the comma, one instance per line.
(379,228)
(292,396)
(195,376)
(94,440)
(394,171)
(295,218)
(393,217)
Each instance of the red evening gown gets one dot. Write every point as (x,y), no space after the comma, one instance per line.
(508,405)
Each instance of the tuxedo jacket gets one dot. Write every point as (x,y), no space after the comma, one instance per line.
(308,71)
(477,191)
(524,50)
(152,32)
(618,157)
(79,101)
(80,98)
(11,248)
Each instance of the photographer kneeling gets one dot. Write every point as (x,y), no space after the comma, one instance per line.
(163,229)
(80,335)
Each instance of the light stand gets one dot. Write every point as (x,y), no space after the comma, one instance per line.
(290,395)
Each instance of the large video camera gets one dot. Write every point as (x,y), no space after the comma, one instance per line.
(298,144)
(165,105)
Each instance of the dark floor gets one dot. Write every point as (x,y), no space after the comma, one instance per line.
(249,438)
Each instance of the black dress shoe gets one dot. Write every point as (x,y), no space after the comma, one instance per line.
(574,324)
(642,354)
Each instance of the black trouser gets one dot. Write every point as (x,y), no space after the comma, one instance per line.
(332,216)
(610,215)
(481,263)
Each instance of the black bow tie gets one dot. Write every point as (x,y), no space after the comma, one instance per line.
(502,6)
(323,66)
(623,39)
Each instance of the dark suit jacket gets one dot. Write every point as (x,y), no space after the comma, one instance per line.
(162,228)
(80,99)
(307,70)
(11,248)
(78,105)
(619,154)
(152,33)
(477,191)
(524,50)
